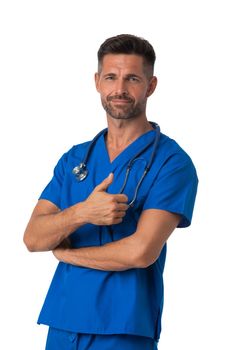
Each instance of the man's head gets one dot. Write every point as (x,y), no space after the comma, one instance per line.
(130,45)
(125,76)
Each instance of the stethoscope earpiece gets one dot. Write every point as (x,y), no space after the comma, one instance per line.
(80,172)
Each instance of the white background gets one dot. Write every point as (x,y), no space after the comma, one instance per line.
(48,103)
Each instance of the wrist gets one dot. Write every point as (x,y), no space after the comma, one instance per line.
(72,218)
(80,214)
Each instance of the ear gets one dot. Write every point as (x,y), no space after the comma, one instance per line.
(97,79)
(152,86)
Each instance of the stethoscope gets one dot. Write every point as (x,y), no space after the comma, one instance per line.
(81,171)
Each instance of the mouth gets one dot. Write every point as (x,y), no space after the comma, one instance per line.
(120,101)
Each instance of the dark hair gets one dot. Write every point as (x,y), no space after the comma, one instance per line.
(127,44)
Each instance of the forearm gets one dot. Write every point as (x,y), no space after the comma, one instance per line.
(115,256)
(139,250)
(46,231)
(49,226)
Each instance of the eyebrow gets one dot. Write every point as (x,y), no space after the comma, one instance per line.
(107,74)
(130,75)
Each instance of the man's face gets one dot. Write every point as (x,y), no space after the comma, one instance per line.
(124,85)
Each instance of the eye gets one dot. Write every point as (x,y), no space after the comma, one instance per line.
(133,79)
(109,77)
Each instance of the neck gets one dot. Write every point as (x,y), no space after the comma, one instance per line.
(121,133)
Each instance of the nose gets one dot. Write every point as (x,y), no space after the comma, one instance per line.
(121,87)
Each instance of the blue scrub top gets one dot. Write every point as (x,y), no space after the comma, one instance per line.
(86,300)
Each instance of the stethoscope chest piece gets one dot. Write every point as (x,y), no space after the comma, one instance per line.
(80,172)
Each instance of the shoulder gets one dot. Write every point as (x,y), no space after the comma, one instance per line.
(80,148)
(171,151)
(77,150)
(169,146)
(173,161)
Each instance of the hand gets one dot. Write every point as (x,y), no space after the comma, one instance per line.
(102,208)
(59,250)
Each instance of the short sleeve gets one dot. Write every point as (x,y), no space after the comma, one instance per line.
(175,188)
(52,191)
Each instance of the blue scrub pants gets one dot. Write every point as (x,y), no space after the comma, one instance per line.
(63,340)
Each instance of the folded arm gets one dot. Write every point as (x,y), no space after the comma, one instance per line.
(49,227)
(138,250)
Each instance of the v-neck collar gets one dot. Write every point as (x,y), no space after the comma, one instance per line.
(130,151)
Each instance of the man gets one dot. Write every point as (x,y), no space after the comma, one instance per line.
(108,212)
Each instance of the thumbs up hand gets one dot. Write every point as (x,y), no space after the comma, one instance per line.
(103,186)
(102,208)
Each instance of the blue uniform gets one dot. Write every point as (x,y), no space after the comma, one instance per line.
(64,340)
(90,301)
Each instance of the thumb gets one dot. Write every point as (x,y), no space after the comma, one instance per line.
(105,183)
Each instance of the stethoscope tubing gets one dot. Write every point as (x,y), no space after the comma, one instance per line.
(81,170)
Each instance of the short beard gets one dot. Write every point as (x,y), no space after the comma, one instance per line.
(122,112)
